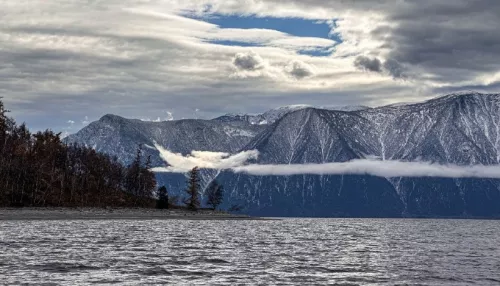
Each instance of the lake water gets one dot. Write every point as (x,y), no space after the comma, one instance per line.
(291,251)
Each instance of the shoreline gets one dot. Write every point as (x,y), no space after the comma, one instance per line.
(12,214)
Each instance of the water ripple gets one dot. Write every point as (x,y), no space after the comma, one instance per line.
(287,252)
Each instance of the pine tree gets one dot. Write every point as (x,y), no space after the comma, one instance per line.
(148,179)
(215,194)
(193,201)
(133,178)
(162,198)
(40,170)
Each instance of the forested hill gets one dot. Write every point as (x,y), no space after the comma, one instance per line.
(39,170)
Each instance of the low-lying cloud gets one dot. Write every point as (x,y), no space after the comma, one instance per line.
(386,169)
(238,163)
(178,163)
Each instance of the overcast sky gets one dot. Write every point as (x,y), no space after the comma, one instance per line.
(65,63)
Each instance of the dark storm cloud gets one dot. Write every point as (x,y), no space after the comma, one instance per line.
(449,39)
(368,64)
(395,69)
(55,66)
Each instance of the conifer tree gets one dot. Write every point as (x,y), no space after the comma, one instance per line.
(40,170)
(193,201)
(133,178)
(162,198)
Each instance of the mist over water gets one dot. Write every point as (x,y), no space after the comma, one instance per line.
(291,251)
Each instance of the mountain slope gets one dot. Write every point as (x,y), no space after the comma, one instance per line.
(119,136)
(460,129)
(457,129)
(314,136)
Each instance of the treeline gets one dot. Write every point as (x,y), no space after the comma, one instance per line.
(40,170)
(214,194)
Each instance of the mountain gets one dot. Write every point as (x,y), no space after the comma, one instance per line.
(460,129)
(457,129)
(120,137)
(314,136)
(271,116)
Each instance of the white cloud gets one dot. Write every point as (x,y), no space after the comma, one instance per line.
(86,121)
(238,163)
(385,169)
(177,163)
(123,56)
(170,116)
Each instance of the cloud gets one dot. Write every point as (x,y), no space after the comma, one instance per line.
(395,69)
(390,66)
(170,116)
(299,69)
(151,56)
(86,121)
(387,169)
(249,61)
(239,163)
(158,119)
(368,64)
(177,163)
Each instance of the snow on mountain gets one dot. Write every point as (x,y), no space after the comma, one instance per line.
(458,129)
(120,136)
(271,116)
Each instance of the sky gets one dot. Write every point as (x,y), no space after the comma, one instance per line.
(65,63)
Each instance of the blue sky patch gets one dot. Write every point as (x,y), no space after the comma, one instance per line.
(293,26)
(233,43)
(317,53)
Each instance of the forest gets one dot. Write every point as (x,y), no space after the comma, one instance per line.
(39,170)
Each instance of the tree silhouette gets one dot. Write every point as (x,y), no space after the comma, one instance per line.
(215,194)
(193,201)
(162,196)
(40,170)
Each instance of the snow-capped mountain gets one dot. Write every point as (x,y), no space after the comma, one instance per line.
(271,116)
(461,129)
(120,137)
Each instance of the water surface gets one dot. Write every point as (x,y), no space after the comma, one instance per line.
(291,251)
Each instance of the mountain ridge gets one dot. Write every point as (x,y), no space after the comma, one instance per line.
(460,128)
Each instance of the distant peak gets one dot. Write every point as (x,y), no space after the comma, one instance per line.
(111,118)
(465,92)
(293,106)
(464,95)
